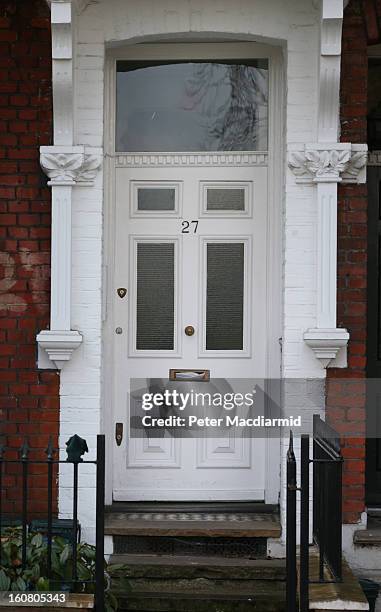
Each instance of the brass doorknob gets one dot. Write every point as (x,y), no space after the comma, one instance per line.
(189,330)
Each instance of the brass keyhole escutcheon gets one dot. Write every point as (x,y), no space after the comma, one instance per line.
(122,292)
(118,433)
(189,330)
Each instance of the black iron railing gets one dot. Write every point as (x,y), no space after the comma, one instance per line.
(327,465)
(76,447)
(291,593)
(327,499)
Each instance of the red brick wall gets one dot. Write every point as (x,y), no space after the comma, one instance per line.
(28,397)
(345,403)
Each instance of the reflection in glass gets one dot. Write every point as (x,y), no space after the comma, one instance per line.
(224,296)
(192,107)
(155,296)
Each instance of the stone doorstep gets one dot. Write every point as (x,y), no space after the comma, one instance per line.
(134,566)
(204,596)
(208,584)
(202,604)
(346,595)
(74,601)
(256,525)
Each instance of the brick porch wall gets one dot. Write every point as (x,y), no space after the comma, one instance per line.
(346,406)
(28,398)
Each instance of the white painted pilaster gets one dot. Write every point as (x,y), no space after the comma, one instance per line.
(62,68)
(326,245)
(66,166)
(61,258)
(329,64)
(326,165)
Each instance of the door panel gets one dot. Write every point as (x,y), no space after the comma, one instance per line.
(191,249)
(205,268)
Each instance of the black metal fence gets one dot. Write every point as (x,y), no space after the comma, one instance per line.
(327,500)
(76,447)
(327,465)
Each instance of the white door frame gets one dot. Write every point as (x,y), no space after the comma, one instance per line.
(276,158)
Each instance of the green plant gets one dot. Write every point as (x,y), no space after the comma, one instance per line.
(15,577)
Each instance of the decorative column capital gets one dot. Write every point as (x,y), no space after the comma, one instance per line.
(329,163)
(70,166)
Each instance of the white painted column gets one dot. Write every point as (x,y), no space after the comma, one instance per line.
(328,126)
(327,163)
(326,252)
(60,303)
(67,166)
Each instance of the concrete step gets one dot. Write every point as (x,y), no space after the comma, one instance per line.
(203,595)
(227,534)
(185,583)
(191,567)
(345,595)
(367,537)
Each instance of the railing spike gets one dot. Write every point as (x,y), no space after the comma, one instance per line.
(50,449)
(290,452)
(24,450)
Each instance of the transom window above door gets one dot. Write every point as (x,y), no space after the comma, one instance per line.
(192,106)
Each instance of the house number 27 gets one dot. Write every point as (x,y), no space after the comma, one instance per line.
(186,227)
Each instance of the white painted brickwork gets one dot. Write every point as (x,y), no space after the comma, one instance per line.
(295,25)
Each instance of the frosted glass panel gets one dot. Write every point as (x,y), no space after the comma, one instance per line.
(225,296)
(155,296)
(193,106)
(150,198)
(225,199)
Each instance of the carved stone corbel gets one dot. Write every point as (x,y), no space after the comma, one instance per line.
(323,162)
(69,166)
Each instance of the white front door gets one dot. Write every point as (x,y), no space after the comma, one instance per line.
(190,249)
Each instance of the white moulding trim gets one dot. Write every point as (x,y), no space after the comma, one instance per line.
(59,345)
(326,343)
